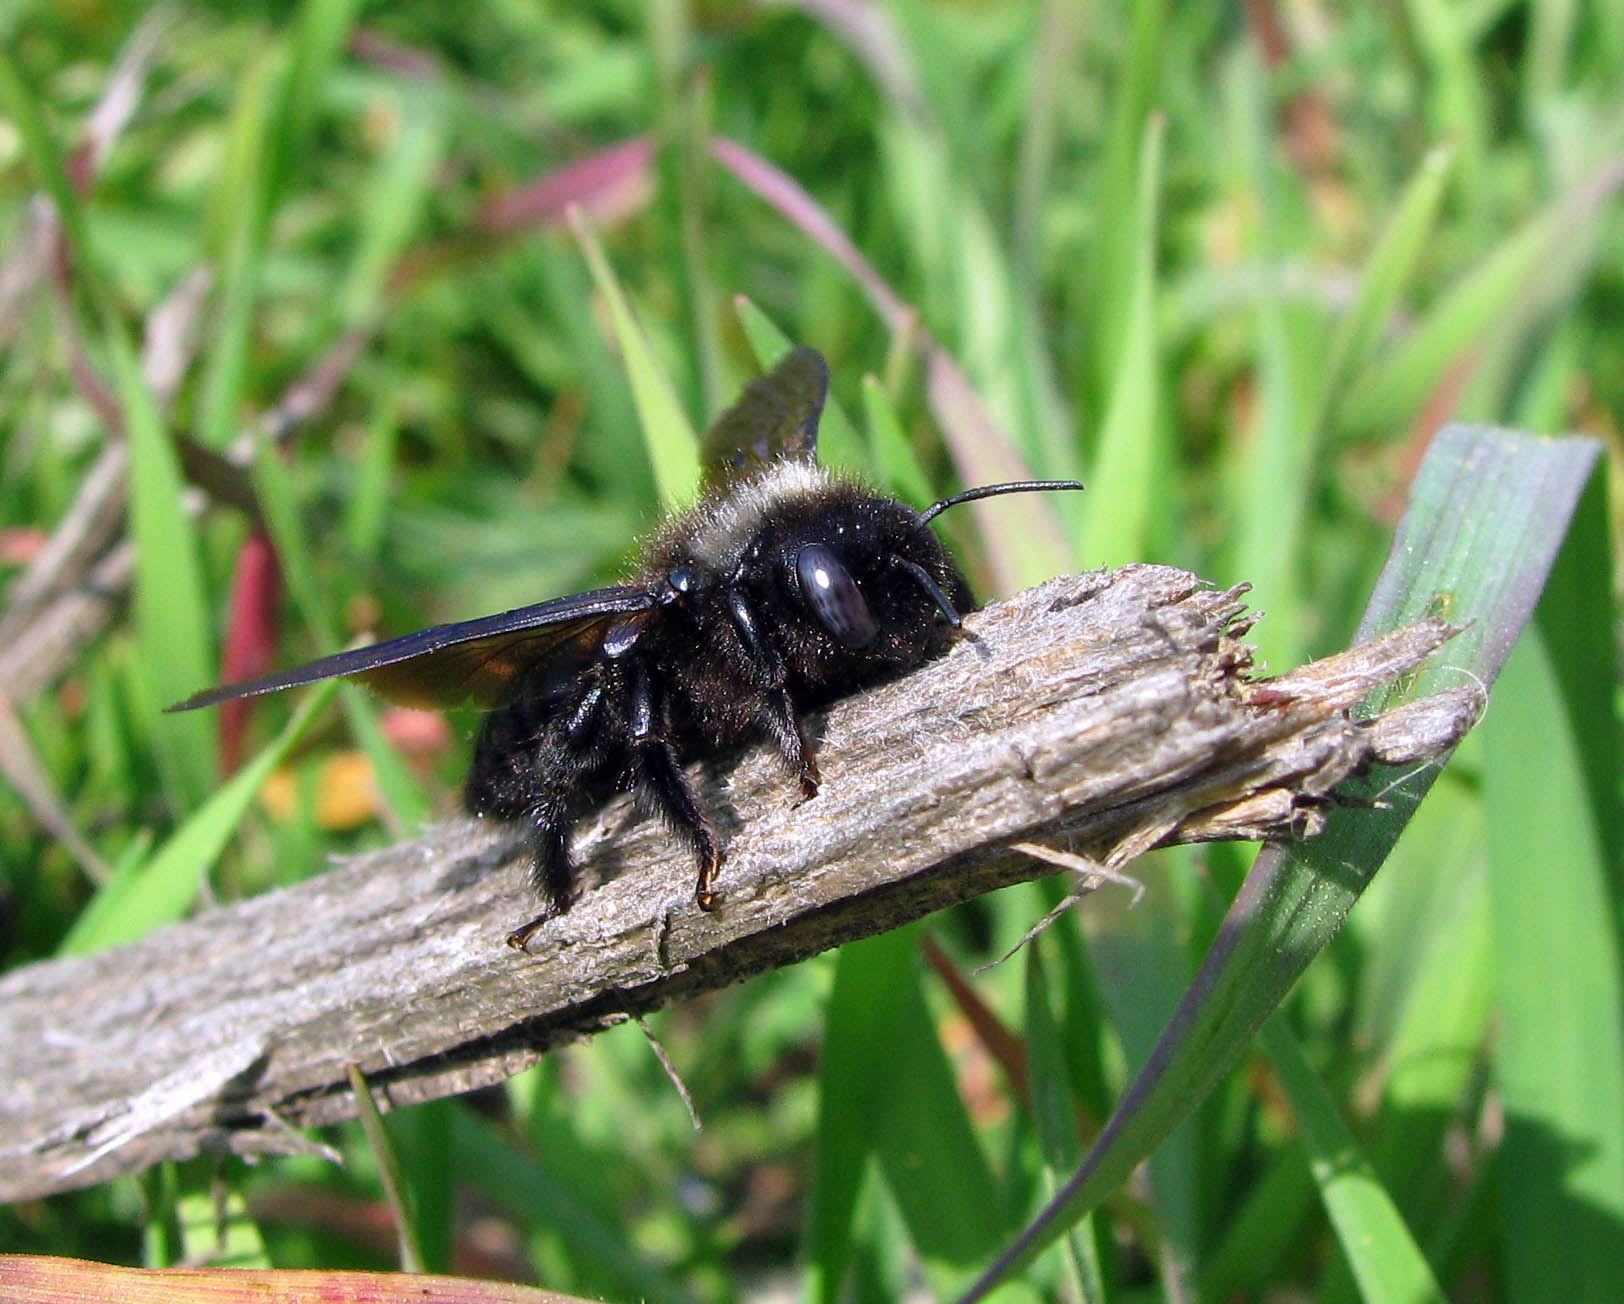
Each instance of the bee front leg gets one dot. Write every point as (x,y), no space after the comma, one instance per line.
(662,783)
(777,711)
(788,735)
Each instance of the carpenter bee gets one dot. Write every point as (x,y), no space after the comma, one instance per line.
(783,588)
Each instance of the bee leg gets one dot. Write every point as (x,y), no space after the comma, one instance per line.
(551,873)
(788,735)
(661,781)
(661,778)
(777,712)
(534,785)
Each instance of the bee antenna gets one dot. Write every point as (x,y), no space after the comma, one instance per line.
(933,590)
(993,490)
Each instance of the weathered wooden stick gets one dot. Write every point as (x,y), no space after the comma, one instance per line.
(1108,713)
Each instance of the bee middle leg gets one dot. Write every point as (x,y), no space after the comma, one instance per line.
(661,779)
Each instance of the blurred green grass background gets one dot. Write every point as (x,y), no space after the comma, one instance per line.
(1233,265)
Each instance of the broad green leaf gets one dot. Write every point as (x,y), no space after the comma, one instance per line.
(1552,807)
(1488,511)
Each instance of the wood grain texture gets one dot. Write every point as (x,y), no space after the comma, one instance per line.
(1106,713)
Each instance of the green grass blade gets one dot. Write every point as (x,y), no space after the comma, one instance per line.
(1386,275)
(1141,964)
(863,1011)
(404,802)
(1428,994)
(171,628)
(1117,185)
(929,1154)
(1277,457)
(394,201)
(895,463)
(423,1137)
(366,506)
(887,1092)
(1550,39)
(1262,1234)
(275,116)
(137,899)
(1122,481)
(1052,55)
(514,1181)
(279,500)
(1488,511)
(240,253)
(982,451)
(390,1175)
(1055,1121)
(1386,1261)
(215,1226)
(673,448)
(18,97)
(1389,391)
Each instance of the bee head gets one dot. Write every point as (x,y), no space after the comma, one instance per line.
(848,585)
(869,575)
(862,582)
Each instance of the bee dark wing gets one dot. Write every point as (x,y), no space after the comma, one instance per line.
(775,418)
(490,661)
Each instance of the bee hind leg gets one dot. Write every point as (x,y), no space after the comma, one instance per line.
(551,873)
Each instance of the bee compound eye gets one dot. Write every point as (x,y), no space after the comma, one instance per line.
(831,596)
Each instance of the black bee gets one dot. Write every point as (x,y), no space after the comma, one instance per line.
(783,588)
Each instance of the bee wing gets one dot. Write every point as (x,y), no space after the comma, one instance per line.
(490,661)
(775,418)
